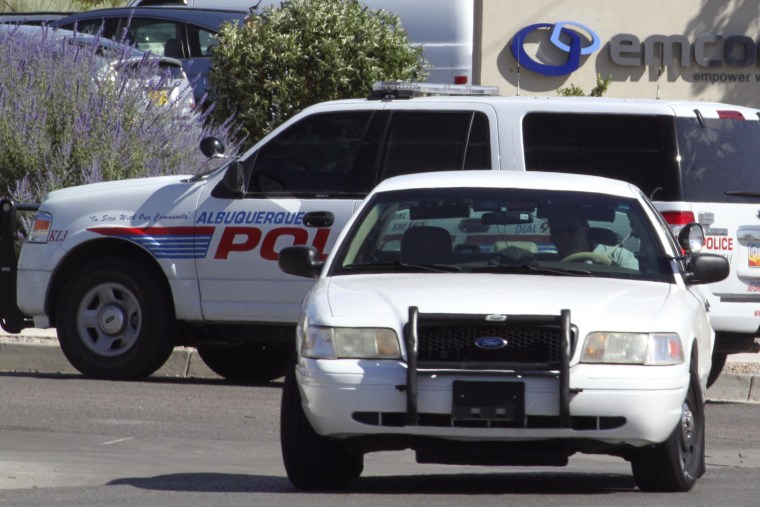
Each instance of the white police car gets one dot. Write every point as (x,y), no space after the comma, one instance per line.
(446,321)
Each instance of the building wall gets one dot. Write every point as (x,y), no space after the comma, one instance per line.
(714,46)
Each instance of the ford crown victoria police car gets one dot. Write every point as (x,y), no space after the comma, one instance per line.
(191,260)
(436,324)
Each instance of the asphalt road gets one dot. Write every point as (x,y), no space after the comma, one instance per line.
(65,440)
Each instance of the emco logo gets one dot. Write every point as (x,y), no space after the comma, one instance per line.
(574,50)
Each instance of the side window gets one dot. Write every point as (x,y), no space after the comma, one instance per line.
(631,148)
(201,41)
(423,141)
(90,27)
(321,155)
(163,38)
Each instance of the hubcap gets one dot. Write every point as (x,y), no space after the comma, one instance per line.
(112,319)
(687,425)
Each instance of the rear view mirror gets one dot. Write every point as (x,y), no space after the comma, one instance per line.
(234,178)
(706,268)
(507,218)
(300,261)
(212,147)
(691,238)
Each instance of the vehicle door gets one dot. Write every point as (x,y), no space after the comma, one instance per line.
(322,161)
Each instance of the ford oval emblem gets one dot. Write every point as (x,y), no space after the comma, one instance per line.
(490,342)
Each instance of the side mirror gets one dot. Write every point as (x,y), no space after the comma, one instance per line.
(300,261)
(706,268)
(691,238)
(212,147)
(234,178)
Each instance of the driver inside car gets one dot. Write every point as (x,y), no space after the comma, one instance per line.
(570,232)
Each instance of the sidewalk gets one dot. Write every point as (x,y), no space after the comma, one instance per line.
(37,351)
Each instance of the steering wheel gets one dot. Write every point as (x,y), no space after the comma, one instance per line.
(596,258)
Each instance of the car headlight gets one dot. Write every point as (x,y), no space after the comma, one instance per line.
(348,342)
(41,225)
(633,348)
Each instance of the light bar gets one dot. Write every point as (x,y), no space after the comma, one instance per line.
(413,89)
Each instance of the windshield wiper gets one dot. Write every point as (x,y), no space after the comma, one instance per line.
(403,266)
(526,268)
(744,193)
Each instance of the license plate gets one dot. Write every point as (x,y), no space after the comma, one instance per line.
(488,401)
(753,255)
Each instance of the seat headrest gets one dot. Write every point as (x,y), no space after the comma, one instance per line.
(426,245)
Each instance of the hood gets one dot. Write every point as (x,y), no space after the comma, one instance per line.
(602,302)
(113,188)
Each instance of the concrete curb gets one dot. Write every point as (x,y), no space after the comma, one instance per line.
(41,354)
(38,352)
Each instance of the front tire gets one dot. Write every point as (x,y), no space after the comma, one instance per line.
(313,462)
(249,362)
(114,321)
(718,363)
(677,463)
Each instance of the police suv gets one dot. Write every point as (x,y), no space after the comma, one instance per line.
(127,270)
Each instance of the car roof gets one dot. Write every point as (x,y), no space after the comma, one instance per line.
(509,179)
(603,105)
(207,18)
(32,18)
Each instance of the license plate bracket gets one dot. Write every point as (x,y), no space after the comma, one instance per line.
(488,401)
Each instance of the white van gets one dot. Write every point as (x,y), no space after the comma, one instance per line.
(444,28)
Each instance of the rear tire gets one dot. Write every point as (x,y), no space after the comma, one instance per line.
(249,362)
(677,463)
(313,462)
(114,321)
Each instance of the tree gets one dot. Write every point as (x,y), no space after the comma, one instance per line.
(597,91)
(306,51)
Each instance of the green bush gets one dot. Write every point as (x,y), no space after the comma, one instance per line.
(304,52)
(576,91)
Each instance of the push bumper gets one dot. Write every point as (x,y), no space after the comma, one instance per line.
(12,319)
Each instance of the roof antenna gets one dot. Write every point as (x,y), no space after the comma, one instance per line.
(518,67)
(659,71)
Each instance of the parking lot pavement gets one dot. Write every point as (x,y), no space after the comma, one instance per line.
(37,351)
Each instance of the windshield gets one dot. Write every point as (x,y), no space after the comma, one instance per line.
(504,231)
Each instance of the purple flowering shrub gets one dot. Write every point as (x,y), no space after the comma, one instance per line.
(68,118)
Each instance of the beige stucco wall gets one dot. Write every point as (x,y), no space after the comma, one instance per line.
(497,21)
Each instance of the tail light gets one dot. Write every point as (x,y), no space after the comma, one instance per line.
(677,219)
(730,115)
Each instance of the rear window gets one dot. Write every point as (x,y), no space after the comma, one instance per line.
(634,148)
(720,159)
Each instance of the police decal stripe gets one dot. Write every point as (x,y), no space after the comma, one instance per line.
(165,242)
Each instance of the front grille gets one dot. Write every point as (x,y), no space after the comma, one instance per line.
(455,342)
